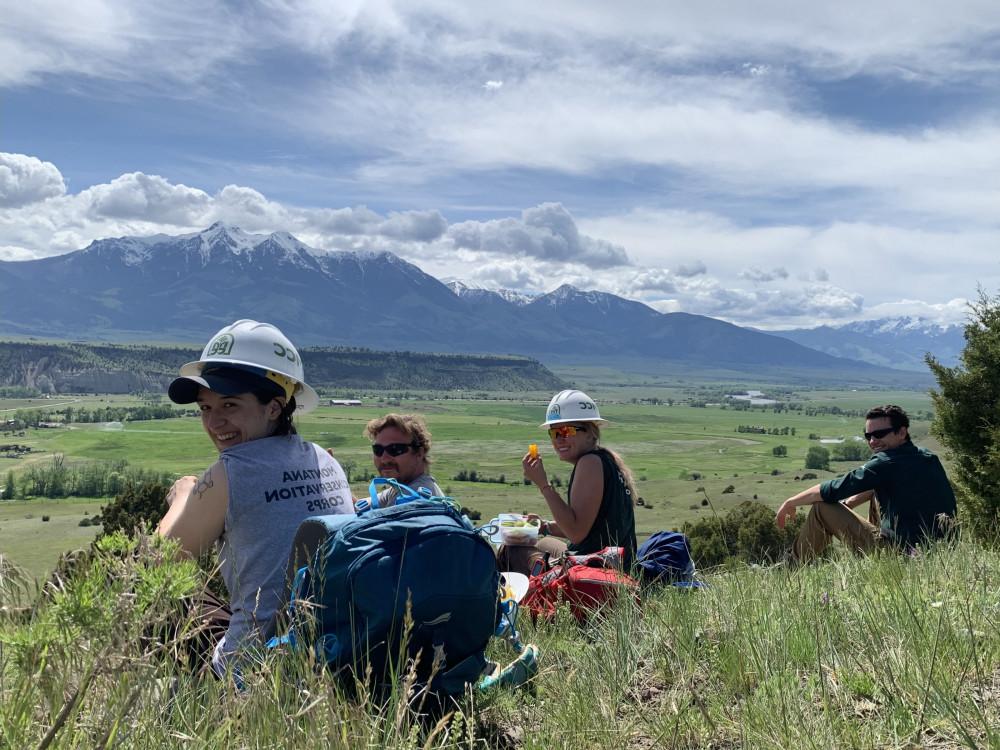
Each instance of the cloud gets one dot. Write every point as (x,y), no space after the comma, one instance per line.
(756,274)
(25,179)
(547,232)
(653,280)
(691,269)
(173,46)
(955,311)
(151,198)
(414,226)
(493,85)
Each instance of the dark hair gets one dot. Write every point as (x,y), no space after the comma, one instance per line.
(270,391)
(895,414)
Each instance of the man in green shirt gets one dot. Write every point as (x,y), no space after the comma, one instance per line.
(908,484)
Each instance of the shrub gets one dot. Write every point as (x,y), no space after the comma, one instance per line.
(747,532)
(729,490)
(45,519)
(779,450)
(137,506)
(818,458)
(850,452)
(808,475)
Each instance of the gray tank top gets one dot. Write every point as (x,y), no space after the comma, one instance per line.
(274,483)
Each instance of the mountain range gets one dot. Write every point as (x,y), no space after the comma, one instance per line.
(899,343)
(183,288)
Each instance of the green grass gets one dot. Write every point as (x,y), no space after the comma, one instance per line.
(25,538)
(878,652)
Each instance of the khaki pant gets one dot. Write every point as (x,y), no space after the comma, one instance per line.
(828,520)
(519,559)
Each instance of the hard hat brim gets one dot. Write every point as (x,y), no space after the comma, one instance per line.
(597,420)
(306,398)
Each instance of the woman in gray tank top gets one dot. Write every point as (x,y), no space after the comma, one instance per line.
(248,384)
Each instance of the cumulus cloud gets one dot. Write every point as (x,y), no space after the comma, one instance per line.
(756,274)
(691,269)
(653,280)
(148,198)
(25,179)
(546,232)
(414,226)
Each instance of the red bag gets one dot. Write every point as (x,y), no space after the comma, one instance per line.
(585,582)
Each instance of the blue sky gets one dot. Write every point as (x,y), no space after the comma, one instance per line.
(774,165)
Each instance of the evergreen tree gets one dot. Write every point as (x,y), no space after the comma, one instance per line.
(967,417)
(137,506)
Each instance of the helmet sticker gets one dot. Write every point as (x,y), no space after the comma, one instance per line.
(221,345)
(285,352)
(554,412)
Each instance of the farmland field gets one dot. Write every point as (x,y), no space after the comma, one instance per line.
(681,455)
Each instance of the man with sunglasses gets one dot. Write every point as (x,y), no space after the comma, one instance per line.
(400,444)
(911,498)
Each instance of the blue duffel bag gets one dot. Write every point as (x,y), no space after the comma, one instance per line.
(364,574)
(666,558)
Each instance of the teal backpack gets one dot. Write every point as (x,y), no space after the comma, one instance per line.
(358,578)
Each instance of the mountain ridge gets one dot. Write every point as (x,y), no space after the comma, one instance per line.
(186,287)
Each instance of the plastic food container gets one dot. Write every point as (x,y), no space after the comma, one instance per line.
(516,529)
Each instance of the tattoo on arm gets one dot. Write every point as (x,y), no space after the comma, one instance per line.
(205,483)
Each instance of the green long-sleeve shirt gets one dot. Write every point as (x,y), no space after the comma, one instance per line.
(910,486)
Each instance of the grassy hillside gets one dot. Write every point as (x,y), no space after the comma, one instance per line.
(105,368)
(880,652)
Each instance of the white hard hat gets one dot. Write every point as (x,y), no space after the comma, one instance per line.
(247,344)
(571,406)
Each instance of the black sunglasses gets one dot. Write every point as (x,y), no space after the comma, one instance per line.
(879,434)
(393,449)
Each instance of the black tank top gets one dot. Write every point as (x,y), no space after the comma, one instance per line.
(614,525)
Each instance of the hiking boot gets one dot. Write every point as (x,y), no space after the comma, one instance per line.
(518,672)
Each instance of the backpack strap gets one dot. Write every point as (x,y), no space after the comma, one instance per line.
(404,494)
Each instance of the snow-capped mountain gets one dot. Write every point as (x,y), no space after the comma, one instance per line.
(461,289)
(184,288)
(900,343)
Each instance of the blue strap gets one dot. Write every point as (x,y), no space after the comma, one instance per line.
(404,494)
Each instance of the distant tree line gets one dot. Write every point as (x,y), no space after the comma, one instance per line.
(23,418)
(761,430)
(59,478)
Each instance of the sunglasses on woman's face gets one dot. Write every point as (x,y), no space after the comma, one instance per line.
(565,431)
(393,449)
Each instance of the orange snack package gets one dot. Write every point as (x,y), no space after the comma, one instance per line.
(533,451)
